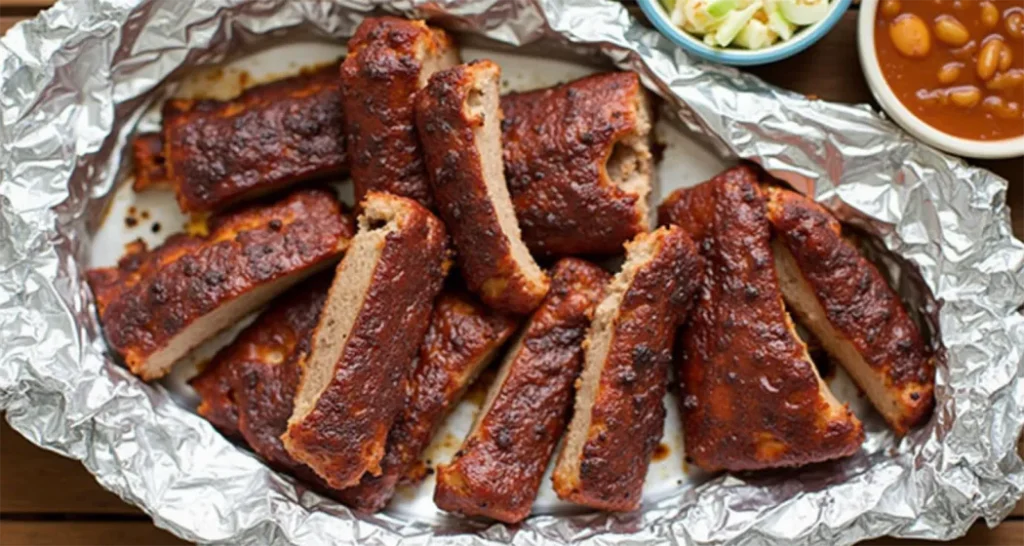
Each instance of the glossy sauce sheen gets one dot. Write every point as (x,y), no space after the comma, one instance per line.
(151,296)
(749,396)
(456,170)
(628,414)
(498,470)
(462,338)
(858,301)
(346,431)
(273,135)
(556,142)
(381,75)
(915,82)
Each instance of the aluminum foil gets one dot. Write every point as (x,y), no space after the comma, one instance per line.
(75,79)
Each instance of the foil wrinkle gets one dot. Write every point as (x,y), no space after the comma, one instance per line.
(74,81)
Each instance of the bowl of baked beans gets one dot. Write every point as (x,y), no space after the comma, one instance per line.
(950,72)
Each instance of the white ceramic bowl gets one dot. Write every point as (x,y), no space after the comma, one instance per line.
(1010,147)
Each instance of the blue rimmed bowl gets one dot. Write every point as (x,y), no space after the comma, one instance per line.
(801,40)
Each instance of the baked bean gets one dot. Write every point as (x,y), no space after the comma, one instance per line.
(935,96)
(1006,80)
(890,8)
(1005,58)
(951,31)
(966,52)
(988,58)
(1010,110)
(966,96)
(910,35)
(949,72)
(1001,108)
(991,102)
(1015,25)
(989,15)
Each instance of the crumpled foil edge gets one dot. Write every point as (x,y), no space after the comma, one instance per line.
(75,79)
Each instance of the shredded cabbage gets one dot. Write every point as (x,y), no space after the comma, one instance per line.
(750,24)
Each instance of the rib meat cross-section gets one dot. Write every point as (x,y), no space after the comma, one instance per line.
(619,414)
(498,470)
(157,305)
(459,120)
(751,397)
(372,324)
(389,60)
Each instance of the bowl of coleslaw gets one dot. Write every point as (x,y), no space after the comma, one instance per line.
(744,32)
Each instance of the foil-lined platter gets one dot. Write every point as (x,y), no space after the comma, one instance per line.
(83,77)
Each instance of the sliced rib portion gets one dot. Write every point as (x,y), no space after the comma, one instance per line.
(619,412)
(843,299)
(372,324)
(463,337)
(578,162)
(150,165)
(389,59)
(498,470)
(751,397)
(271,136)
(249,386)
(157,305)
(459,122)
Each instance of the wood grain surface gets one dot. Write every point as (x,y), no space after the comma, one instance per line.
(84,533)
(28,4)
(7,22)
(47,499)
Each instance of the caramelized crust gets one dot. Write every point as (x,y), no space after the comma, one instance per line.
(150,167)
(257,374)
(372,324)
(271,136)
(619,412)
(844,300)
(389,59)
(267,359)
(157,305)
(462,339)
(578,163)
(498,470)
(693,209)
(217,397)
(458,117)
(751,397)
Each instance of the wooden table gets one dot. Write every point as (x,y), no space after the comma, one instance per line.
(47,499)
